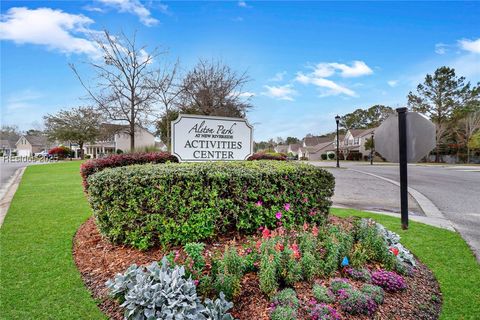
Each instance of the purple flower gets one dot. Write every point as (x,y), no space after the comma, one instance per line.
(287,206)
(278,215)
(388,280)
(259,203)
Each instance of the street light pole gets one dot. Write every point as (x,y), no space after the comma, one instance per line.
(337,120)
(371,149)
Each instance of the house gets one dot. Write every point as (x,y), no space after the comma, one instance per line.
(315,152)
(294,148)
(353,144)
(314,141)
(115,137)
(281,148)
(7,147)
(29,145)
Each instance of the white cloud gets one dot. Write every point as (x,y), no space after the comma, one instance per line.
(327,87)
(358,69)
(278,76)
(242,4)
(92,8)
(441,48)
(134,7)
(472,46)
(392,83)
(55,29)
(285,92)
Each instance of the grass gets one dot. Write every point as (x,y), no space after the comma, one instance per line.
(39,279)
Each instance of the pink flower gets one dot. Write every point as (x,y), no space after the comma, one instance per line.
(278,215)
(287,206)
(312,213)
(266,233)
(258,245)
(296,251)
(305,200)
(315,231)
(305,226)
(195,282)
(259,203)
(279,247)
(177,256)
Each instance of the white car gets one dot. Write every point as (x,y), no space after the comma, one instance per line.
(43,154)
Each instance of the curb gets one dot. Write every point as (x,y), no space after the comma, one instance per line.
(10,189)
(428,207)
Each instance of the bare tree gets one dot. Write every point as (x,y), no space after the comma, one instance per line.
(213,88)
(123,90)
(167,88)
(467,127)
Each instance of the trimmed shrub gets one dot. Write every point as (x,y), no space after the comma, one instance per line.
(179,203)
(331,156)
(268,156)
(61,152)
(120,160)
(324,156)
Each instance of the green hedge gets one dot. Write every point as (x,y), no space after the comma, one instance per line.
(146,205)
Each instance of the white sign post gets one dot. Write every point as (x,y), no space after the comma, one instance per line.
(205,138)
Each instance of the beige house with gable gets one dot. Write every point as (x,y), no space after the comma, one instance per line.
(29,145)
(116,138)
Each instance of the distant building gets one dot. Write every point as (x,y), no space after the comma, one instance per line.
(115,137)
(7,147)
(29,145)
(281,148)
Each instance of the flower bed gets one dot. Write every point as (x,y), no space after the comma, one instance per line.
(270,275)
(167,204)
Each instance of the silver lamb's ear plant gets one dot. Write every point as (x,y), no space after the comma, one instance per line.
(162,292)
(393,240)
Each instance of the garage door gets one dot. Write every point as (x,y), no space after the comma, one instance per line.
(23,153)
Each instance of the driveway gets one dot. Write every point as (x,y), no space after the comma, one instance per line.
(455,190)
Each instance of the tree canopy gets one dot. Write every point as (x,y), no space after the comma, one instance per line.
(366,118)
(78,125)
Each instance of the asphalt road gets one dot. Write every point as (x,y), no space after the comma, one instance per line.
(7,169)
(455,190)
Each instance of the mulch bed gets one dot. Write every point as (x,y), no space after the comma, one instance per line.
(98,260)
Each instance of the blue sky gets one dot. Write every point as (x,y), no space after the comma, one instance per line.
(308,61)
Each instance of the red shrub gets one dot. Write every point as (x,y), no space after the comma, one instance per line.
(61,152)
(120,160)
(268,156)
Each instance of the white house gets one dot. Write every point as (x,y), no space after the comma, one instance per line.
(28,145)
(116,138)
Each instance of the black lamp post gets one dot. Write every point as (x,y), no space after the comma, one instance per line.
(371,149)
(337,120)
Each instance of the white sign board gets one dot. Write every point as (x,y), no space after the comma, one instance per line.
(205,138)
(421,137)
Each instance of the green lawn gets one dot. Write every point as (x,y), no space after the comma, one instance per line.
(39,280)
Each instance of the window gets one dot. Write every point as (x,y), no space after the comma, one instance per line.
(356,141)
